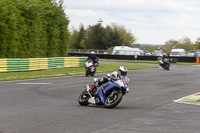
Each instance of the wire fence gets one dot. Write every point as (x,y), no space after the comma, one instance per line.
(87,51)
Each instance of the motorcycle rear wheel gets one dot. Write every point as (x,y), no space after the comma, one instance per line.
(167,66)
(114,99)
(83,98)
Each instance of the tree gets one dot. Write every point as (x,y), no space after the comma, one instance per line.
(197,43)
(127,37)
(113,38)
(73,39)
(32,28)
(186,44)
(96,37)
(80,38)
(169,45)
(9,36)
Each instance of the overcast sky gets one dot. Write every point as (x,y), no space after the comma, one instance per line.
(150,21)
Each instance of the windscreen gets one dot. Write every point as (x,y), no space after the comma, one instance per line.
(126,79)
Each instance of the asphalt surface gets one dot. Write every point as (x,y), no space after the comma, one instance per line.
(51,105)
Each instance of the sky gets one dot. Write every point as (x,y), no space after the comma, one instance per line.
(150,21)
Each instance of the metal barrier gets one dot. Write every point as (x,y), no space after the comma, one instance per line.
(87,51)
(30,64)
(132,57)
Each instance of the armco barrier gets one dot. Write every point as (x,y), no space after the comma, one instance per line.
(17,65)
(29,64)
(71,62)
(38,63)
(56,62)
(3,65)
(82,61)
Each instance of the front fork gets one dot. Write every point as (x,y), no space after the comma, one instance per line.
(90,90)
(87,88)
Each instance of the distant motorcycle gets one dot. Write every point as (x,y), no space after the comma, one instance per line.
(90,68)
(164,63)
(109,94)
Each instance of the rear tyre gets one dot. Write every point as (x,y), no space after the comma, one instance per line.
(167,66)
(92,74)
(113,99)
(83,98)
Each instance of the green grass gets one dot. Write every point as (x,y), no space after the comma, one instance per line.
(131,61)
(184,63)
(148,62)
(103,68)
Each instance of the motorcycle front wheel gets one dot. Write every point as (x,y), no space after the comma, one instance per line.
(87,72)
(92,74)
(113,99)
(83,98)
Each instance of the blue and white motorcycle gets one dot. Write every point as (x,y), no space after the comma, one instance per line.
(109,94)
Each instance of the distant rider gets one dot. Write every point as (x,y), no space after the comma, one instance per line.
(164,56)
(93,58)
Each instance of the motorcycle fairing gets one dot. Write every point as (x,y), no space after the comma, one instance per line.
(92,68)
(101,92)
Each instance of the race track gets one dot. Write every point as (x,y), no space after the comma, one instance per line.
(51,105)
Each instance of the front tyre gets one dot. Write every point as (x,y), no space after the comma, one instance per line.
(113,99)
(87,72)
(92,74)
(83,98)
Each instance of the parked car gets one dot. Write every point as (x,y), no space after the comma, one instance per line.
(190,54)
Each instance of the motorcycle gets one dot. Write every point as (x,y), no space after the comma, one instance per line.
(90,68)
(164,63)
(108,94)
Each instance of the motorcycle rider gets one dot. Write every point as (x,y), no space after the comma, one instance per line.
(93,58)
(164,56)
(122,71)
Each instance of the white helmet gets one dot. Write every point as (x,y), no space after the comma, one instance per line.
(92,52)
(122,70)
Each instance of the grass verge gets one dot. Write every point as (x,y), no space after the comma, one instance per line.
(103,68)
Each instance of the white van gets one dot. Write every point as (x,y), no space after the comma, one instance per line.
(125,50)
(197,54)
(177,52)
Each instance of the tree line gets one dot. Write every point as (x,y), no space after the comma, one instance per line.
(39,28)
(184,43)
(99,37)
(33,28)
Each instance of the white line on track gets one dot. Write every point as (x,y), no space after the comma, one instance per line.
(186,97)
(179,100)
(34,83)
